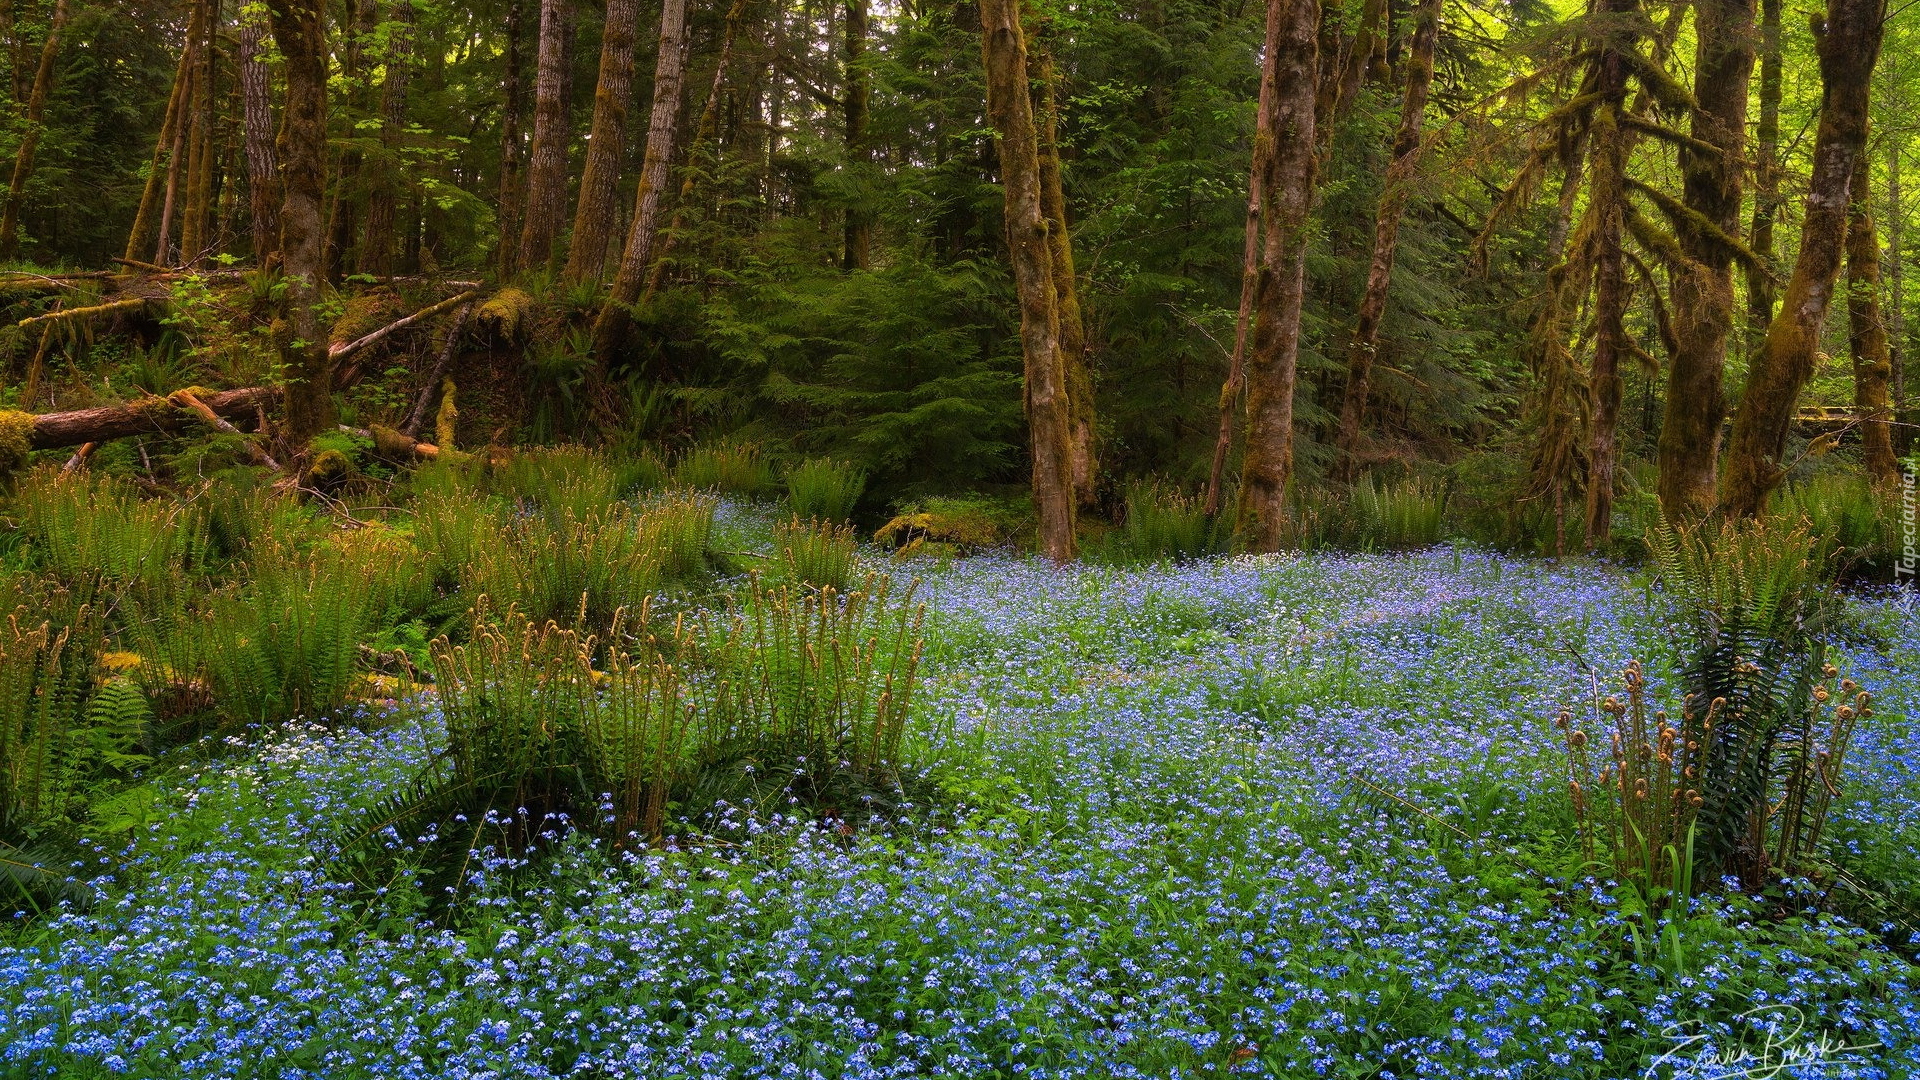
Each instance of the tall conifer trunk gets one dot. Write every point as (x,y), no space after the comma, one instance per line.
(703,133)
(1766,173)
(511,201)
(256,107)
(141,234)
(300,32)
(379,239)
(1703,300)
(547,162)
(30,138)
(1867,333)
(1074,354)
(1848,43)
(606,146)
(669,87)
(1010,111)
(857,248)
(1386,234)
(1292,64)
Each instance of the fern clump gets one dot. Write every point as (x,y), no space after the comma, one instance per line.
(825,489)
(814,553)
(1162,523)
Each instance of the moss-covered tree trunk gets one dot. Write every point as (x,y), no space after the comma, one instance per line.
(1075,362)
(1867,332)
(197,211)
(379,239)
(1292,66)
(30,137)
(510,202)
(1766,174)
(256,108)
(300,32)
(669,88)
(593,213)
(1010,111)
(703,136)
(1848,42)
(547,161)
(1703,299)
(142,232)
(1386,233)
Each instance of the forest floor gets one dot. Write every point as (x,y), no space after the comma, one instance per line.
(1284,816)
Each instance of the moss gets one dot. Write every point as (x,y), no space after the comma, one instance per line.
(389,443)
(443,421)
(327,469)
(363,315)
(16,440)
(507,314)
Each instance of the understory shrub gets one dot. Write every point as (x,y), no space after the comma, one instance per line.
(1408,513)
(1163,523)
(814,553)
(728,467)
(824,489)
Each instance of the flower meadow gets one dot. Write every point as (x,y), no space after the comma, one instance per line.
(1289,816)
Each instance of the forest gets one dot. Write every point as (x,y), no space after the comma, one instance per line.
(1067,538)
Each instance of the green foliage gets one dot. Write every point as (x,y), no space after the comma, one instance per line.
(1163,523)
(732,468)
(825,489)
(814,553)
(955,525)
(1411,513)
(1849,520)
(80,527)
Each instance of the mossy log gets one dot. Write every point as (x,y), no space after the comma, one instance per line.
(152,416)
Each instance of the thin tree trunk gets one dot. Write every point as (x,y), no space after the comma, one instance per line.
(1867,333)
(176,163)
(1848,44)
(512,190)
(343,225)
(703,133)
(859,224)
(1010,111)
(593,215)
(669,87)
(1703,300)
(30,138)
(379,240)
(1236,380)
(138,236)
(1292,61)
(547,167)
(196,214)
(7,40)
(1077,376)
(299,31)
(1897,295)
(1386,234)
(1766,173)
(263,171)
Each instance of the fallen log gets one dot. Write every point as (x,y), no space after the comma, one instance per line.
(112,307)
(417,419)
(343,351)
(150,416)
(221,424)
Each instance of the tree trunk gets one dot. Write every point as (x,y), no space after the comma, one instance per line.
(1010,111)
(857,252)
(379,240)
(1766,173)
(343,224)
(547,165)
(593,215)
(30,137)
(263,172)
(300,32)
(512,105)
(1897,295)
(196,213)
(669,86)
(1703,301)
(1292,60)
(1386,234)
(703,133)
(1867,334)
(1077,376)
(1236,380)
(1848,44)
(140,234)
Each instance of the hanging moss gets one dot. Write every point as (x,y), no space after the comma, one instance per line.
(16,440)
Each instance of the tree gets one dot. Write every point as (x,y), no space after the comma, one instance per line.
(859,79)
(263,171)
(547,165)
(1847,41)
(669,87)
(1078,377)
(1867,332)
(377,242)
(300,32)
(1010,111)
(1292,62)
(606,145)
(30,138)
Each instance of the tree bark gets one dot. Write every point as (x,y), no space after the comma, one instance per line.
(512,210)
(669,86)
(54,430)
(263,171)
(140,234)
(1292,60)
(1867,333)
(1848,44)
(196,213)
(593,215)
(378,241)
(1897,295)
(1703,300)
(299,31)
(30,137)
(1010,111)
(1766,173)
(547,165)
(703,133)
(1386,234)
(1077,375)
(857,253)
